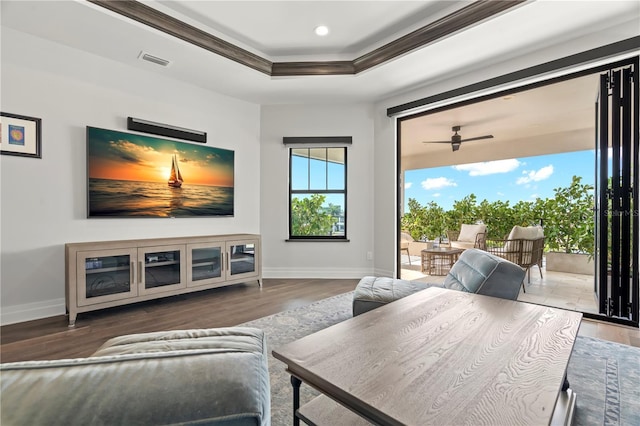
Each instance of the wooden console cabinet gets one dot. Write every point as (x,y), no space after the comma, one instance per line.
(111,273)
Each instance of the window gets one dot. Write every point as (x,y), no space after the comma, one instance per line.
(318,193)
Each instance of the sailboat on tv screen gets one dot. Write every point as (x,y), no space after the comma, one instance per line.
(175,178)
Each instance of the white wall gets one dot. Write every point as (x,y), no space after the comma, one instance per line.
(44,200)
(386,190)
(317,259)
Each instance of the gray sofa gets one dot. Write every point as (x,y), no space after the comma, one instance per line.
(205,377)
(476,271)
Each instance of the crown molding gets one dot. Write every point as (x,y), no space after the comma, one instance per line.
(288,69)
(149,16)
(430,33)
(444,27)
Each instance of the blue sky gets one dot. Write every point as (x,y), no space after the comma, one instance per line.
(517,179)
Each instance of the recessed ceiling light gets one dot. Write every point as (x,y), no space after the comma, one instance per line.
(322,30)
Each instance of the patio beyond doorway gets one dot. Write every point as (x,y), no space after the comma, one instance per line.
(556,289)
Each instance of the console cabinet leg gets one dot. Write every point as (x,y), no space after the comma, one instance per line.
(72,320)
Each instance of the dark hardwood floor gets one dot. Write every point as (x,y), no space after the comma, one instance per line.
(51,338)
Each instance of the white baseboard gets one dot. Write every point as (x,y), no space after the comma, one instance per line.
(328,273)
(382,273)
(32,311)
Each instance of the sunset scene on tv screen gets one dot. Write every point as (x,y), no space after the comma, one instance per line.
(124,156)
(146,176)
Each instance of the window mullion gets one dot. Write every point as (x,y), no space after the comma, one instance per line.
(308,168)
(326,168)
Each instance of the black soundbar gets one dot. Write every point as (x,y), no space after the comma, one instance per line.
(145,126)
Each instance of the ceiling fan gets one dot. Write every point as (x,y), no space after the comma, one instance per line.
(456,139)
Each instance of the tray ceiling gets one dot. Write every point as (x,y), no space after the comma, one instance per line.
(281,32)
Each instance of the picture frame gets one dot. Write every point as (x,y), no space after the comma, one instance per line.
(20,135)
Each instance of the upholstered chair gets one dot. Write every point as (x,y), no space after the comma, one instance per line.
(476,271)
(524,246)
(469,236)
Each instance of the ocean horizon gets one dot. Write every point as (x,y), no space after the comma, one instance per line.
(124,198)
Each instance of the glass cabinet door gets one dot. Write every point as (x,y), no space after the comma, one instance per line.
(105,275)
(160,269)
(205,263)
(242,259)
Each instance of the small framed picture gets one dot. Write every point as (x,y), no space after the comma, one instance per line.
(20,135)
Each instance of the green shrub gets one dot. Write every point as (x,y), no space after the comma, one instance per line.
(567,217)
(569,225)
(309,218)
(424,221)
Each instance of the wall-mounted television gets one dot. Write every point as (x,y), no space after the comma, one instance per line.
(130,175)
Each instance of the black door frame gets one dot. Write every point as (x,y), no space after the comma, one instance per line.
(617,191)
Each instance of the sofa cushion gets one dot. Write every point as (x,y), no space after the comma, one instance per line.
(216,377)
(373,292)
(220,340)
(525,232)
(477,271)
(522,232)
(464,245)
(468,232)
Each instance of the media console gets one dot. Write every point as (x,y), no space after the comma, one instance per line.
(111,273)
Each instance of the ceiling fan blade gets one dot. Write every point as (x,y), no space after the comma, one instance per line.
(477,138)
(449,141)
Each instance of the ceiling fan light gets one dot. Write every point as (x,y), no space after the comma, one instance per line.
(455,146)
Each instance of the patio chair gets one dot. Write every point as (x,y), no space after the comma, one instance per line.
(405,238)
(469,236)
(524,246)
(411,246)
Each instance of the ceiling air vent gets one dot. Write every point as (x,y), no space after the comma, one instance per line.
(154,59)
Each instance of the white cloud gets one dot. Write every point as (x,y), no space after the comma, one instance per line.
(437,183)
(489,167)
(408,185)
(535,175)
(500,194)
(437,194)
